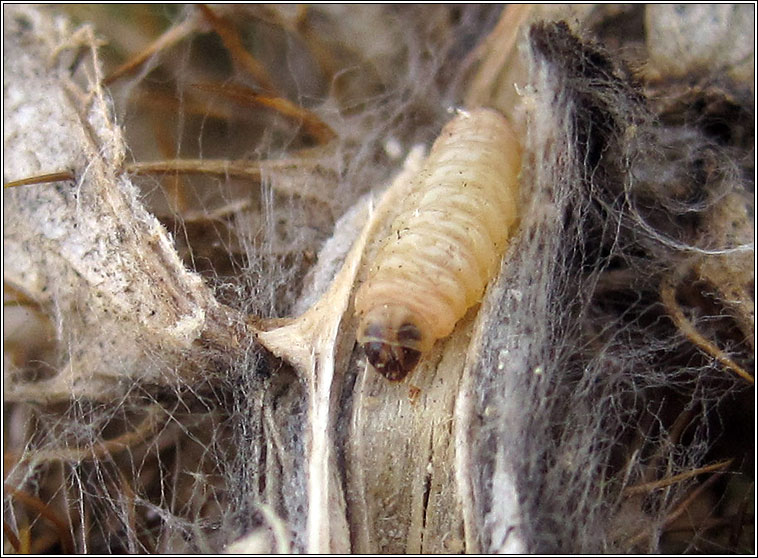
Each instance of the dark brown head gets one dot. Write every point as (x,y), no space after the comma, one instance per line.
(393,340)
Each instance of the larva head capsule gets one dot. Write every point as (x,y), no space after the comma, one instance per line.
(393,339)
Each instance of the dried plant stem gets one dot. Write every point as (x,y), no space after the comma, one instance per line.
(249,170)
(668,296)
(25,538)
(679,510)
(239,53)
(495,51)
(19,298)
(11,536)
(169,38)
(650,486)
(99,450)
(60,176)
(159,101)
(219,167)
(313,125)
(44,510)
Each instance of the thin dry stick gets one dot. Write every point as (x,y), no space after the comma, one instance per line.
(44,542)
(25,538)
(679,510)
(169,38)
(650,486)
(216,167)
(61,176)
(313,125)
(314,41)
(250,170)
(668,296)
(19,297)
(173,184)
(233,43)
(218,214)
(495,51)
(681,422)
(155,417)
(737,526)
(11,536)
(162,102)
(42,509)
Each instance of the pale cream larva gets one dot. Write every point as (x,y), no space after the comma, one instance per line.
(445,244)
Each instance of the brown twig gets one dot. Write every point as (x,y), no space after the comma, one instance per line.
(250,170)
(43,510)
(61,176)
(25,538)
(11,536)
(496,50)
(213,167)
(100,449)
(668,297)
(19,298)
(161,101)
(169,38)
(233,43)
(216,167)
(679,510)
(653,485)
(313,125)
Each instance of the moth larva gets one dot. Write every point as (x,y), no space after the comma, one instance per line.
(445,244)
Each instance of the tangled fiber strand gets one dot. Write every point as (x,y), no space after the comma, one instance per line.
(583,390)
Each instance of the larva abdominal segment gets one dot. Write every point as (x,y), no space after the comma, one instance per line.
(444,245)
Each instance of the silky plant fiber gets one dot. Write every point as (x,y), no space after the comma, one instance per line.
(194,195)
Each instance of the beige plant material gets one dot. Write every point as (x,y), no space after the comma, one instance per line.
(676,49)
(318,344)
(732,273)
(501,76)
(86,250)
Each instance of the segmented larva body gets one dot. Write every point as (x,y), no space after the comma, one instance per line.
(445,244)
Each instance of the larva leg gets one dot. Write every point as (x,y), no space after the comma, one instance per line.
(445,244)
